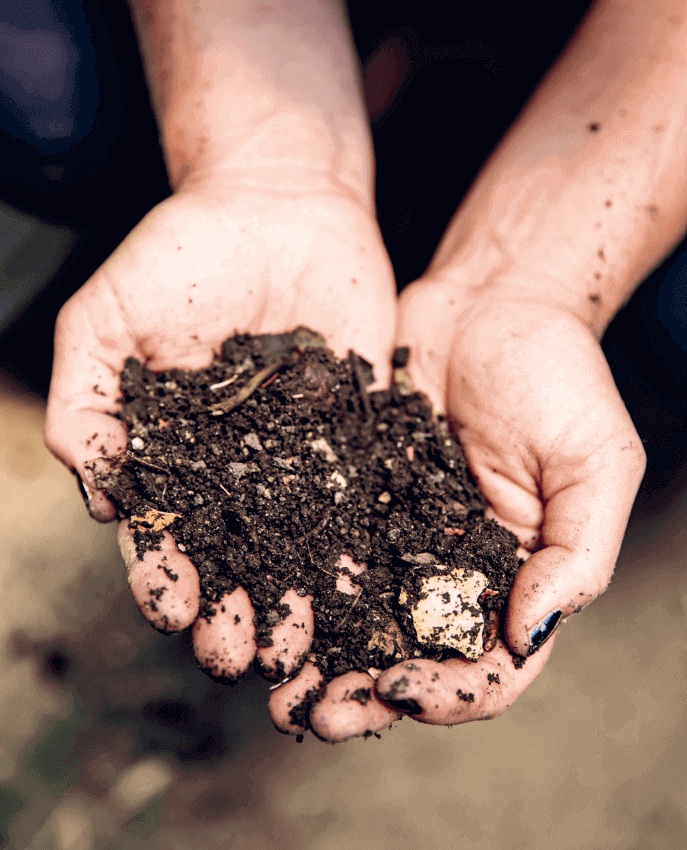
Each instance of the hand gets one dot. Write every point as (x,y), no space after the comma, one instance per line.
(546,435)
(200,267)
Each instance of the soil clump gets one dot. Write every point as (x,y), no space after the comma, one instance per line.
(275,460)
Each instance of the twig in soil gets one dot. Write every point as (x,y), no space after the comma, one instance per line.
(224,383)
(354,360)
(270,381)
(132,457)
(322,525)
(342,621)
(312,563)
(247,391)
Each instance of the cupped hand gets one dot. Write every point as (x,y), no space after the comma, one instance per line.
(201,266)
(531,397)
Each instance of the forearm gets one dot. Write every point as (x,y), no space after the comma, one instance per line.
(588,190)
(255,92)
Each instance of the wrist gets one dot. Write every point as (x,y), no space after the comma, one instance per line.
(289,153)
(586,192)
(265,96)
(493,271)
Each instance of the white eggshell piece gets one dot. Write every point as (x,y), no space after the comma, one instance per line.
(448,612)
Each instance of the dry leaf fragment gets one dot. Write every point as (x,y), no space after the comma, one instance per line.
(155,520)
(448,613)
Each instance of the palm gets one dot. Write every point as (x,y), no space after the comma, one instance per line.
(546,435)
(193,272)
(196,270)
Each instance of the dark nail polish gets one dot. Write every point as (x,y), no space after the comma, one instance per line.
(408,706)
(544,630)
(85,495)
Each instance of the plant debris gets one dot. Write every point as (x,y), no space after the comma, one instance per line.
(275,460)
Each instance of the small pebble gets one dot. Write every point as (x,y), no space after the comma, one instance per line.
(253,441)
(322,446)
(336,479)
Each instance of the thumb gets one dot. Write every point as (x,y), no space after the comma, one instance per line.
(78,436)
(553,449)
(79,423)
(582,530)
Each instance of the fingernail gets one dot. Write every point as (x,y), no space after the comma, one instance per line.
(407,706)
(83,489)
(543,631)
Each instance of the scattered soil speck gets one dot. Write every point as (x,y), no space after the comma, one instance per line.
(362,695)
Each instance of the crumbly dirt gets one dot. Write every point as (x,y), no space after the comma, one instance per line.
(277,459)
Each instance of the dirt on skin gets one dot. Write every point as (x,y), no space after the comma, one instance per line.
(274,461)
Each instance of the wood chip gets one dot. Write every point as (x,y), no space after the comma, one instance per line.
(155,520)
(448,613)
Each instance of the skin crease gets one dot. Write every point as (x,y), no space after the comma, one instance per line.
(272,225)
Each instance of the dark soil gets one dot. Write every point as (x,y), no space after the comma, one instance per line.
(278,460)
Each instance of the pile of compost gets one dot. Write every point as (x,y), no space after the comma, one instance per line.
(276,460)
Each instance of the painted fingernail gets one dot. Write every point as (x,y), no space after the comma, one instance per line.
(543,631)
(407,706)
(84,490)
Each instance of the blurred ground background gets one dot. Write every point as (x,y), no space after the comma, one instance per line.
(109,735)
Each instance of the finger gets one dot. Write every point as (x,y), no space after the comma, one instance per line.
(349,709)
(457,691)
(554,451)
(224,644)
(164,583)
(290,639)
(346,709)
(585,515)
(97,503)
(344,582)
(84,388)
(290,704)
